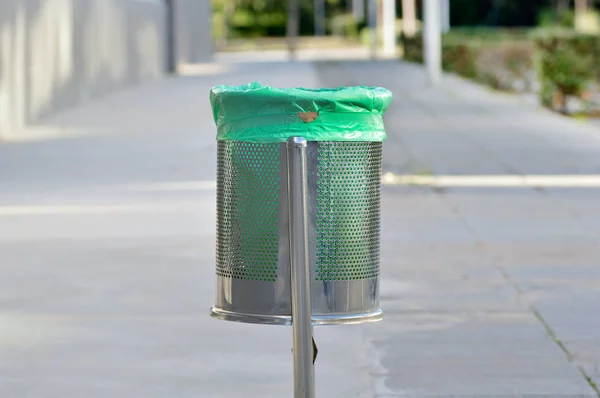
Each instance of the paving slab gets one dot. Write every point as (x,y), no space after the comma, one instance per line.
(107,234)
(469,270)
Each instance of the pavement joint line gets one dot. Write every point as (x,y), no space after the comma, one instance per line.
(522,296)
(565,349)
(547,327)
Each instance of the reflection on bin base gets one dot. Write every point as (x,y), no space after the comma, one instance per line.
(331,319)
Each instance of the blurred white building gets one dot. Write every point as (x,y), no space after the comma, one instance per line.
(58,53)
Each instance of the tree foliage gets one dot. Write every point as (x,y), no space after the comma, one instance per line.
(497,12)
(251,18)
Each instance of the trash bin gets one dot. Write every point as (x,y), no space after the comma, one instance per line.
(344,129)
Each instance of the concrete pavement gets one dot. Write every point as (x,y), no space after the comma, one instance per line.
(107,236)
(502,280)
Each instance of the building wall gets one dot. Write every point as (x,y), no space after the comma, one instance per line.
(58,53)
(193,31)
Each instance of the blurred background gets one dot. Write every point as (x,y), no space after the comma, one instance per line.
(490,281)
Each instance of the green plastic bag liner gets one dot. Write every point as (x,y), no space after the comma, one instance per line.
(264,114)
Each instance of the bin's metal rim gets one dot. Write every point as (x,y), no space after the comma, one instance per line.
(332,319)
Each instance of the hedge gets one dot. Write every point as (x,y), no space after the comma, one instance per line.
(466,56)
(567,64)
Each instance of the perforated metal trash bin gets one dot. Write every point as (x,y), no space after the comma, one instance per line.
(344,184)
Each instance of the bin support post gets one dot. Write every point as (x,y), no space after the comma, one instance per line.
(304,376)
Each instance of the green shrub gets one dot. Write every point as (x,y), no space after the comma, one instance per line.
(501,65)
(518,59)
(460,59)
(490,79)
(588,23)
(457,58)
(413,48)
(567,63)
(345,25)
(550,17)
(567,67)
(486,34)
(219,26)
(480,54)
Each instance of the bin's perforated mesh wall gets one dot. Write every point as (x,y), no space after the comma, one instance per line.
(247,210)
(348,210)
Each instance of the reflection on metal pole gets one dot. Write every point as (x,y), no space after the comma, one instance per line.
(319,17)
(372,9)
(292,28)
(304,378)
(432,41)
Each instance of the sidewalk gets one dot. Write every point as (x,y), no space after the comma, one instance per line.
(490,291)
(107,235)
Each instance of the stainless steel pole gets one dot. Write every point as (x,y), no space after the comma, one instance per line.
(304,376)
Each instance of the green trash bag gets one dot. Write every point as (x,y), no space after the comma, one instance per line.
(264,114)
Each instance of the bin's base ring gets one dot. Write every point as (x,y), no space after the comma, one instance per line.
(339,319)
